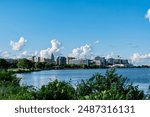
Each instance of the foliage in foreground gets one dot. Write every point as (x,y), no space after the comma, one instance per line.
(110,86)
(10,88)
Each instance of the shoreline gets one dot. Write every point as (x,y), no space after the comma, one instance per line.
(37,70)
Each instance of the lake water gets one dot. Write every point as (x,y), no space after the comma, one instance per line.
(139,76)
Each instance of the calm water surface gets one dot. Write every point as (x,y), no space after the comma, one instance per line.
(138,76)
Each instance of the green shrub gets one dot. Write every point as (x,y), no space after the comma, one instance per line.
(111,86)
(57,90)
(10,87)
(8,78)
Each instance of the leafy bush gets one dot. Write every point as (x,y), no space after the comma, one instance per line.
(57,90)
(111,86)
(3,64)
(7,78)
(10,87)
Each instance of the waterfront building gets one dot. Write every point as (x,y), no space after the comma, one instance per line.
(97,62)
(69,59)
(80,61)
(117,61)
(47,60)
(101,61)
(110,61)
(52,58)
(125,61)
(61,60)
(31,58)
(97,58)
(37,59)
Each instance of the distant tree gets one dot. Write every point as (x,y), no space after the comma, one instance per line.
(83,66)
(25,64)
(48,66)
(94,66)
(13,64)
(3,64)
(39,65)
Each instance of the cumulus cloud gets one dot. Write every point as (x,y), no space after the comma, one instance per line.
(35,53)
(136,57)
(18,45)
(4,54)
(148,15)
(55,49)
(97,42)
(23,54)
(82,52)
(111,55)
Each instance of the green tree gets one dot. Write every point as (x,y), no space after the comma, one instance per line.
(25,64)
(49,66)
(40,65)
(14,64)
(3,64)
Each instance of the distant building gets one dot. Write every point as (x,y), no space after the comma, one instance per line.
(101,61)
(61,60)
(117,61)
(52,58)
(80,61)
(97,58)
(31,58)
(97,62)
(37,59)
(110,61)
(69,59)
(124,61)
(47,60)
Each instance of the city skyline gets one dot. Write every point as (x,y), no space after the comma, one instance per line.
(79,28)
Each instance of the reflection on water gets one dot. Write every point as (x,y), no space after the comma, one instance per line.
(139,77)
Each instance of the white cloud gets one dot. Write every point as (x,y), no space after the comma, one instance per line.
(35,53)
(148,14)
(136,57)
(97,42)
(55,49)
(82,52)
(4,54)
(18,45)
(111,55)
(24,54)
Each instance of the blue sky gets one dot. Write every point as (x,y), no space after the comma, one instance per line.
(119,27)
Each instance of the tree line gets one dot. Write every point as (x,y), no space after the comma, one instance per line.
(27,64)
